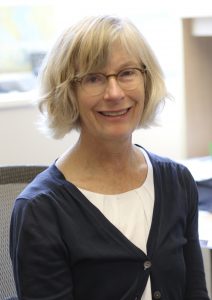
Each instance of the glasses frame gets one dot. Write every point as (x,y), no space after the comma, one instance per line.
(79,80)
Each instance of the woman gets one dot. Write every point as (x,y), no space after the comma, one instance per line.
(108,220)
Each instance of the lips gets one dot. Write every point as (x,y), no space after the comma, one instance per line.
(114,113)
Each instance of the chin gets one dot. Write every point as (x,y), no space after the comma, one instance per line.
(119,135)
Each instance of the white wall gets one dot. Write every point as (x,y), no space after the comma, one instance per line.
(22,143)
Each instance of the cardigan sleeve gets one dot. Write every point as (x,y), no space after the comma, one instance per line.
(39,258)
(196,285)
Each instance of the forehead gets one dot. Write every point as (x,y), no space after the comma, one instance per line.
(120,56)
(113,54)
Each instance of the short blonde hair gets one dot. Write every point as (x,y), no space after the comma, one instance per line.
(83,48)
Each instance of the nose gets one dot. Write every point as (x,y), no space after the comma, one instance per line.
(113,91)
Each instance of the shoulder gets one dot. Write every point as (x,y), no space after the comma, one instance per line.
(169,169)
(47,189)
(174,180)
(46,181)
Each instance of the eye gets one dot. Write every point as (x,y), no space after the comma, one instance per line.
(94,78)
(127,74)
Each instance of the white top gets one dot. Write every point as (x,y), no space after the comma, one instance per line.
(131,212)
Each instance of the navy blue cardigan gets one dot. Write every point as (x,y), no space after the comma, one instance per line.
(63,248)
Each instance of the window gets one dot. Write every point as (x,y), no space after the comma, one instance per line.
(25,32)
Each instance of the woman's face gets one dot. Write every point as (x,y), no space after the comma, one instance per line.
(114,114)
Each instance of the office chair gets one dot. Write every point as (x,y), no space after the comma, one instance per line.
(13,179)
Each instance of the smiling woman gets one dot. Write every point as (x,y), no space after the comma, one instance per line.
(81,56)
(116,110)
(108,219)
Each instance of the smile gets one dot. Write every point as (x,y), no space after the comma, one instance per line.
(115,113)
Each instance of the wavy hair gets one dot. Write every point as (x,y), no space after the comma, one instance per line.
(85,47)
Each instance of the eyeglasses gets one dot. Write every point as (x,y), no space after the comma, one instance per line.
(95,83)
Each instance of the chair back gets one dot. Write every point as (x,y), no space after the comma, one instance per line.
(13,179)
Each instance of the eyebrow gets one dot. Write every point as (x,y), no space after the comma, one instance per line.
(128,64)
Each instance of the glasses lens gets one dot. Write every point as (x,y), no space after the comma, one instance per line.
(94,84)
(129,78)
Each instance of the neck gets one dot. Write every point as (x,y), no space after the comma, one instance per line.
(96,155)
(106,167)
(110,153)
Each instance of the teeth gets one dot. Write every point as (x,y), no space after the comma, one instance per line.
(114,113)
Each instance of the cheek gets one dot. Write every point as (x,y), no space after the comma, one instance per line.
(86,105)
(139,96)
(83,100)
(140,91)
